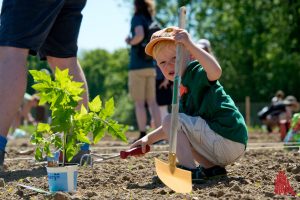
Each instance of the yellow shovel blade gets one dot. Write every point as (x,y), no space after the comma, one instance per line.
(180,180)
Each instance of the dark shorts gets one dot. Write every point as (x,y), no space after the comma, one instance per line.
(46,27)
(163,95)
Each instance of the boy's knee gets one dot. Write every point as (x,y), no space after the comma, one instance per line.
(166,124)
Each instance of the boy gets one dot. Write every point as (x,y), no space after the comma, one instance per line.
(211,130)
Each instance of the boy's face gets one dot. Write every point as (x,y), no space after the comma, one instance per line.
(166,61)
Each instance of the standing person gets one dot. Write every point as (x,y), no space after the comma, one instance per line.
(278,98)
(211,131)
(47,28)
(24,113)
(142,73)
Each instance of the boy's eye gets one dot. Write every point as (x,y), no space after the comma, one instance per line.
(162,63)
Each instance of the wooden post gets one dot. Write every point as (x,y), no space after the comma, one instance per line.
(248,113)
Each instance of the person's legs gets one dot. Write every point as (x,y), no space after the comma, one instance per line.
(13,77)
(150,94)
(163,111)
(74,69)
(141,115)
(136,85)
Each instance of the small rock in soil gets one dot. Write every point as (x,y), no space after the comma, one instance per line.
(297,178)
(2,182)
(236,188)
(296,169)
(20,193)
(90,193)
(61,196)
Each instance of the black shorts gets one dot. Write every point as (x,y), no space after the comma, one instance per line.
(163,95)
(46,27)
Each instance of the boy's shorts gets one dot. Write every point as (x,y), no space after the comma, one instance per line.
(141,84)
(212,146)
(46,27)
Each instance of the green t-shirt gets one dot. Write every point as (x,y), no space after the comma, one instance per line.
(209,101)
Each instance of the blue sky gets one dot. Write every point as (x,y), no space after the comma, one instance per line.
(105,25)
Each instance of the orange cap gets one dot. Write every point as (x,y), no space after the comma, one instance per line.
(164,34)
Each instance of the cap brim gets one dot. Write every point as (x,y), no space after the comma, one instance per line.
(152,43)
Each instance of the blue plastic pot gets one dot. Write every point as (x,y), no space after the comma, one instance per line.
(62,178)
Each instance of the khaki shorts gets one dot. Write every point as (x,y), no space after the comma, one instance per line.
(141,84)
(212,146)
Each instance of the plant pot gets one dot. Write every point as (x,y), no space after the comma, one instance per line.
(62,178)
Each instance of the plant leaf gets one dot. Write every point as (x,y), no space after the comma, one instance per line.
(96,104)
(98,134)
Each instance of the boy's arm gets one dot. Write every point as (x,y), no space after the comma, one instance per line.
(207,61)
(154,136)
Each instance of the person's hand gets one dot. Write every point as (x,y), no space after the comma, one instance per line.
(141,142)
(127,40)
(183,37)
(164,84)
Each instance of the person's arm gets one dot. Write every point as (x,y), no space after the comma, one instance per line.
(26,112)
(207,61)
(138,37)
(154,136)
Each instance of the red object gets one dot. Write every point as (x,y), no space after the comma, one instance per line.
(283,129)
(282,185)
(133,152)
(182,90)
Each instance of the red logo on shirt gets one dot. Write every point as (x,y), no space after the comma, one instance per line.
(182,90)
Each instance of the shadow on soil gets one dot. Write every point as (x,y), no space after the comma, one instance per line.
(20,174)
(156,183)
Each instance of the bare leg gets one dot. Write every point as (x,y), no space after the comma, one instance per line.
(74,69)
(13,78)
(163,111)
(140,113)
(155,112)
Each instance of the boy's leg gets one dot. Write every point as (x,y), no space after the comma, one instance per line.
(13,77)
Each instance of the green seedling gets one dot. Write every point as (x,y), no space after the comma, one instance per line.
(70,126)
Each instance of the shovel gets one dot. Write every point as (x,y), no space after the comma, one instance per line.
(175,178)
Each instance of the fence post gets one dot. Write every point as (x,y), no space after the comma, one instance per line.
(248,114)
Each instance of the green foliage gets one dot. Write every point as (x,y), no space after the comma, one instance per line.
(107,74)
(295,120)
(63,95)
(256,42)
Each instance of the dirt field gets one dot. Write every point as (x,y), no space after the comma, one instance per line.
(252,177)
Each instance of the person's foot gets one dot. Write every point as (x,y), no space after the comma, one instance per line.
(201,174)
(2,155)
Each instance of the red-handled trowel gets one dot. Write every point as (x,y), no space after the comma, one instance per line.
(123,155)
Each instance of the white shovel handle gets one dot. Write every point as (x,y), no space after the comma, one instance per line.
(176,84)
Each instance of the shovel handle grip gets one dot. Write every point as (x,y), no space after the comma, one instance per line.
(133,152)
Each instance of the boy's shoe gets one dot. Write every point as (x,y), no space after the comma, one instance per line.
(201,174)
(2,155)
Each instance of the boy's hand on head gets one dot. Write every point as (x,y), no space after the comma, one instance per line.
(183,37)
